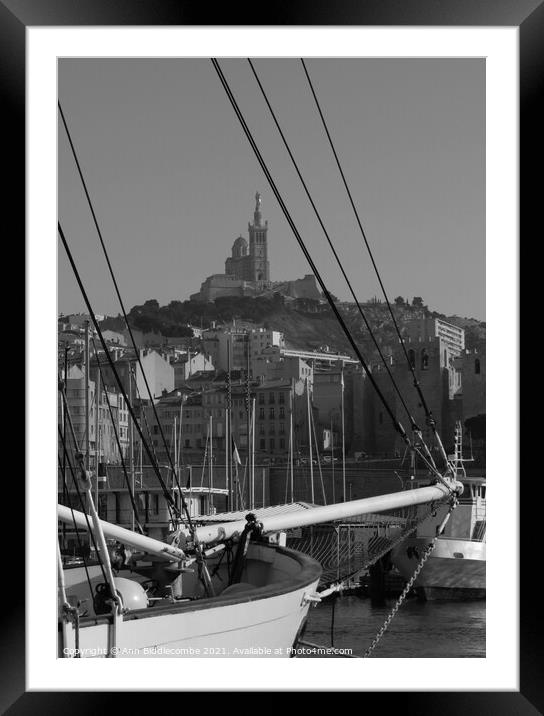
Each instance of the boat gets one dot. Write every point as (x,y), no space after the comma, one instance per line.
(258,616)
(157,604)
(456,569)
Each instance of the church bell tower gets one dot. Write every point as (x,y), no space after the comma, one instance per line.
(258,245)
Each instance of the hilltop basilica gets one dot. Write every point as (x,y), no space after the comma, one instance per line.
(247,270)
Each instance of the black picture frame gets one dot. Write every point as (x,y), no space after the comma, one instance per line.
(528,15)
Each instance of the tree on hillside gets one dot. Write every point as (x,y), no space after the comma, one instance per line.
(399,300)
(417,302)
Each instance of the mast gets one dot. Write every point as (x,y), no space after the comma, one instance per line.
(179,460)
(63,413)
(291,440)
(175,431)
(228,431)
(98,431)
(141,462)
(252,474)
(343,434)
(131,441)
(310,440)
(98,460)
(87,406)
(332,464)
(215,532)
(316,443)
(248,409)
(210,463)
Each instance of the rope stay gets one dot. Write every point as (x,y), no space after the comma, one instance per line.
(76,528)
(396,423)
(105,564)
(185,507)
(333,250)
(428,413)
(167,495)
(170,501)
(318,458)
(118,442)
(71,468)
(143,416)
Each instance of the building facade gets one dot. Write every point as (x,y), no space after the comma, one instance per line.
(108,418)
(436,368)
(247,269)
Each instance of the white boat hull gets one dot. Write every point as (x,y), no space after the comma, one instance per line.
(261,621)
(456,568)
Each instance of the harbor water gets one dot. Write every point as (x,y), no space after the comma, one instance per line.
(420,629)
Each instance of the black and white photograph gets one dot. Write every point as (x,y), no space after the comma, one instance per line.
(263,265)
(271,357)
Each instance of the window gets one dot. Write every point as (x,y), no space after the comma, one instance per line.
(412,357)
(282,412)
(272,444)
(282,398)
(271,413)
(380,418)
(424,359)
(477,366)
(282,428)
(261,430)
(262,443)
(261,413)
(271,399)
(282,443)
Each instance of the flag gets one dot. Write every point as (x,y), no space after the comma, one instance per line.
(235,453)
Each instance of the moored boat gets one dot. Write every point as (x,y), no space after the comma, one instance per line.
(456,569)
(259,616)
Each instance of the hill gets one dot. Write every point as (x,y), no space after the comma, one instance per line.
(306,323)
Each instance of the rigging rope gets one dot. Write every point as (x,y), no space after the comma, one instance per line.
(396,423)
(167,495)
(148,431)
(78,538)
(185,507)
(143,415)
(428,412)
(318,459)
(334,252)
(81,501)
(119,448)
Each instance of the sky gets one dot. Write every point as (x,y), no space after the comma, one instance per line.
(173,178)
